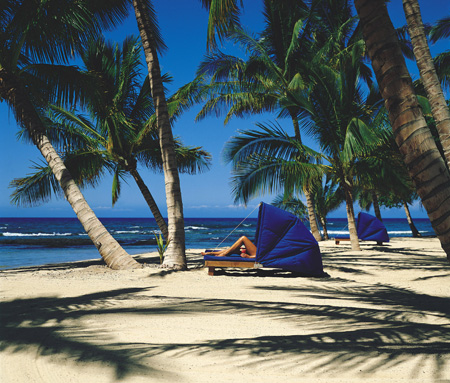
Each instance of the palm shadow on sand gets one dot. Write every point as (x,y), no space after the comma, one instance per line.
(351,327)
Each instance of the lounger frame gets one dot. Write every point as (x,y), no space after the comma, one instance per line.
(337,240)
(211,265)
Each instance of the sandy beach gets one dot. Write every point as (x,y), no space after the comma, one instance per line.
(383,315)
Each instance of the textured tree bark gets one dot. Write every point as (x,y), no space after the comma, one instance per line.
(312,216)
(376,206)
(175,255)
(325,229)
(354,240)
(151,203)
(414,231)
(110,250)
(309,203)
(430,80)
(425,164)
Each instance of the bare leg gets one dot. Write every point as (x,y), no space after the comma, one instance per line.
(250,247)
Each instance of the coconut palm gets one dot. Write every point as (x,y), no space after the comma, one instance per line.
(152,43)
(341,118)
(277,70)
(429,77)
(422,158)
(34,35)
(268,160)
(119,133)
(268,80)
(327,197)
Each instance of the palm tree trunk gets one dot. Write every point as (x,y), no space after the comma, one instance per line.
(425,164)
(376,205)
(151,203)
(309,202)
(175,255)
(110,250)
(415,232)
(312,216)
(323,221)
(351,218)
(430,81)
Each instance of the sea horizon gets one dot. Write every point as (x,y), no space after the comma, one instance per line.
(34,241)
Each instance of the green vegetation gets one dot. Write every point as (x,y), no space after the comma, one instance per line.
(310,65)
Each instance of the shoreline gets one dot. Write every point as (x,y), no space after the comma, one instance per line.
(150,255)
(381,315)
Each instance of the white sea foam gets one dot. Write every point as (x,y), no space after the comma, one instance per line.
(338,232)
(195,228)
(400,232)
(127,232)
(7,234)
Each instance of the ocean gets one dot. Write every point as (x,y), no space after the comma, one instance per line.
(39,241)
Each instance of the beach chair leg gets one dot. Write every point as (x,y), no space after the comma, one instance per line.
(379,243)
(336,242)
(211,270)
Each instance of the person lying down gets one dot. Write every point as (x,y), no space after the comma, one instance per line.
(242,246)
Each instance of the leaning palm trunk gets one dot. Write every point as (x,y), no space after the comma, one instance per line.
(430,81)
(323,221)
(376,205)
(351,218)
(110,250)
(151,203)
(309,202)
(415,232)
(312,216)
(420,154)
(175,255)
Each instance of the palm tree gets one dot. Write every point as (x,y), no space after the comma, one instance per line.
(33,34)
(328,196)
(119,133)
(341,118)
(278,68)
(422,158)
(152,43)
(268,160)
(430,80)
(269,78)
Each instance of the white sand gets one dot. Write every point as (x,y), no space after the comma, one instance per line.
(382,316)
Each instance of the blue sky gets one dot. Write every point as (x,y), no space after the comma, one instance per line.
(183,24)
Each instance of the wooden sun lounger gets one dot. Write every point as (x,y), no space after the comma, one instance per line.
(341,239)
(211,265)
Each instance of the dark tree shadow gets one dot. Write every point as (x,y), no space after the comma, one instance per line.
(385,258)
(24,325)
(344,328)
(348,327)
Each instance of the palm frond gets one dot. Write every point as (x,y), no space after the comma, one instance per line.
(223,18)
(36,188)
(291,204)
(440,30)
(261,174)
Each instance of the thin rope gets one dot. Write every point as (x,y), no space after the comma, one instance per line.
(240,223)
